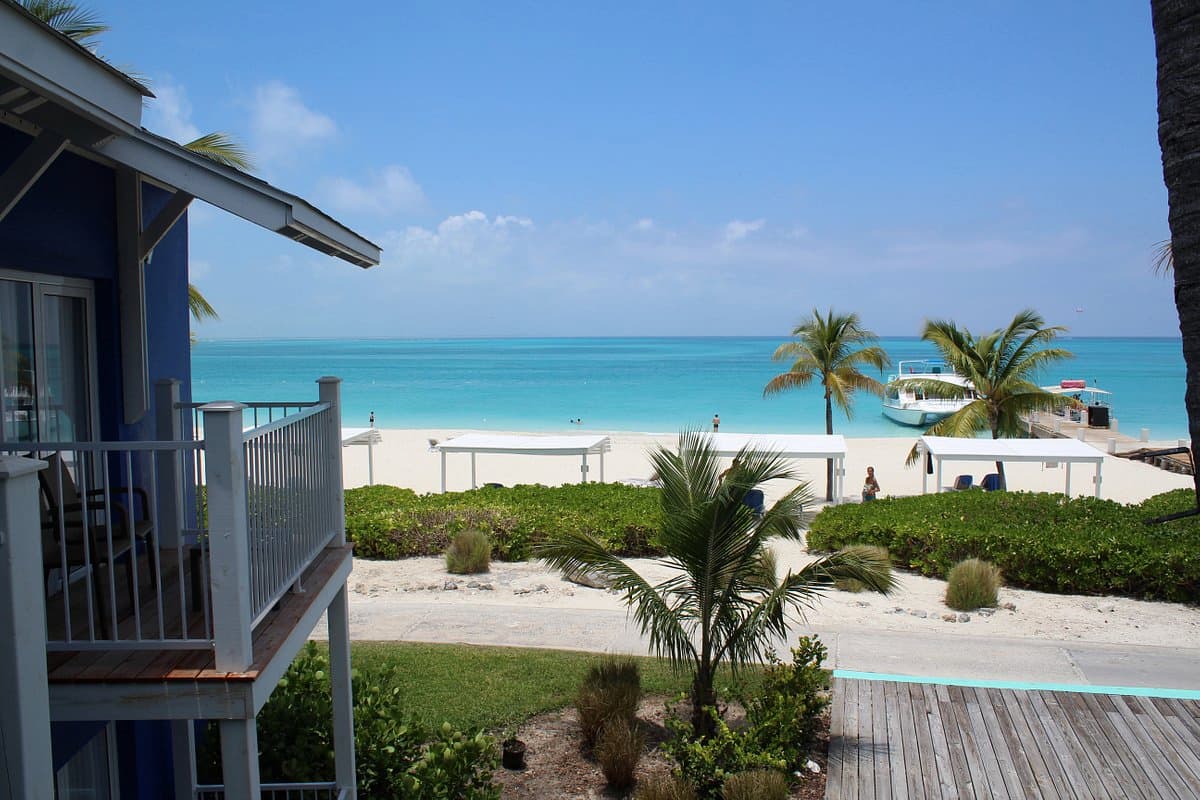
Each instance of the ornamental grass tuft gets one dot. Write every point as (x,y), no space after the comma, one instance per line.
(972,584)
(469,553)
(618,750)
(660,786)
(756,784)
(611,690)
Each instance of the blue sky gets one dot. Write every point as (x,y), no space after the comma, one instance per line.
(673,168)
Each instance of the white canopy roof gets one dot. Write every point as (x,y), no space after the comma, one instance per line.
(788,445)
(361,436)
(957,449)
(580,445)
(573,445)
(1074,390)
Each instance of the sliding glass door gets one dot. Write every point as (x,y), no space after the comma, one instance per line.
(47,360)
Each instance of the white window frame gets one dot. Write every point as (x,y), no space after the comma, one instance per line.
(58,285)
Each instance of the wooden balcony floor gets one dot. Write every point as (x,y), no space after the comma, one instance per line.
(153,664)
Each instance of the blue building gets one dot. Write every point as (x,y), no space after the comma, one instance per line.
(161,562)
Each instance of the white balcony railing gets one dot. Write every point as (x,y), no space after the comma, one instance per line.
(280,791)
(186,543)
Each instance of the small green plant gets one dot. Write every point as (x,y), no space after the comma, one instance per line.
(611,690)
(782,715)
(854,585)
(972,584)
(469,553)
(618,750)
(757,784)
(660,786)
(705,762)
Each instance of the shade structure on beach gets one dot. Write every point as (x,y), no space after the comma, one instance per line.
(517,444)
(790,445)
(368,436)
(1047,451)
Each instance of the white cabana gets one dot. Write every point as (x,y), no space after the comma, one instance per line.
(573,445)
(1047,451)
(368,436)
(790,446)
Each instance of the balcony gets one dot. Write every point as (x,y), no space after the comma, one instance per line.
(185,552)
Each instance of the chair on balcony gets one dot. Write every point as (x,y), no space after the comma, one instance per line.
(130,536)
(76,556)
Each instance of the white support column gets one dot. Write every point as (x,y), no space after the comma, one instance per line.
(239,759)
(167,428)
(1098,479)
(338,616)
(583,470)
(602,466)
(183,755)
(27,769)
(1067,491)
(839,480)
(443,472)
(474,484)
(371,460)
(938,476)
(228,538)
(330,391)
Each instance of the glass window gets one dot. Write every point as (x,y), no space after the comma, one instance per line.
(19,396)
(68,406)
(91,772)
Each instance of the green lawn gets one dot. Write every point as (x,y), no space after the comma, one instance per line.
(490,687)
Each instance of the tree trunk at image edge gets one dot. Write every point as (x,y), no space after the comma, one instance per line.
(828,461)
(703,697)
(1177,45)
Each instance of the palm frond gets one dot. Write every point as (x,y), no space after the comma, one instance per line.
(199,306)
(1163,262)
(72,20)
(223,149)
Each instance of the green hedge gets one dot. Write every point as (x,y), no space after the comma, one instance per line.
(1040,541)
(387,522)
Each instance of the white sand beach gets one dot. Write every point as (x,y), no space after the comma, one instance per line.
(387,596)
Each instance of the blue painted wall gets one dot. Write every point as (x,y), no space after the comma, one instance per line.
(66,225)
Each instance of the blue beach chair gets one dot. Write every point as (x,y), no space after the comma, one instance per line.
(756,501)
(962,483)
(990,482)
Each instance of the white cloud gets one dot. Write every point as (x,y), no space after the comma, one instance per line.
(283,125)
(738,229)
(462,247)
(170,112)
(392,190)
(642,225)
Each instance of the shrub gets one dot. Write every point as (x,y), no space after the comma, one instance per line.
(611,690)
(664,787)
(396,756)
(1039,541)
(619,749)
(972,584)
(782,715)
(757,784)
(387,522)
(469,553)
(707,762)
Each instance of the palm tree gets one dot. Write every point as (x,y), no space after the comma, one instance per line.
(1177,45)
(1000,367)
(833,348)
(724,604)
(199,307)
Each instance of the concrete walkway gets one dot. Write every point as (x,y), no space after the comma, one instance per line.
(934,656)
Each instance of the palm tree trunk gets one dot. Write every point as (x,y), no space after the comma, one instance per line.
(703,696)
(828,461)
(999,464)
(1177,44)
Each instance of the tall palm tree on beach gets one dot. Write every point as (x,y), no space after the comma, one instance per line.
(721,605)
(832,348)
(1177,46)
(1000,367)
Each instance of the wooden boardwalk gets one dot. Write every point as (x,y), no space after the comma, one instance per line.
(912,740)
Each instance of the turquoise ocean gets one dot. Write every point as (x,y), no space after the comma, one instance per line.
(627,384)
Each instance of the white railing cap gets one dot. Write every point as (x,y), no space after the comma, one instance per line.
(223,405)
(16,466)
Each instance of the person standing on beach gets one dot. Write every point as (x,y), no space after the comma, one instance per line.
(716,422)
(870,486)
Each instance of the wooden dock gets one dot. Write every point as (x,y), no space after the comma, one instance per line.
(912,740)
(1051,426)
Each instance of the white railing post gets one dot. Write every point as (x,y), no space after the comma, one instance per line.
(229,548)
(330,391)
(25,713)
(338,615)
(169,465)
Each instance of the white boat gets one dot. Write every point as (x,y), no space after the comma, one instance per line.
(908,405)
(1092,404)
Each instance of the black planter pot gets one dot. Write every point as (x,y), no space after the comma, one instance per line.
(513,754)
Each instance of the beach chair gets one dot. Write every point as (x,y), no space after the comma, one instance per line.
(990,482)
(756,501)
(962,483)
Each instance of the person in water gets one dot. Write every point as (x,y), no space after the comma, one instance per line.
(716,422)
